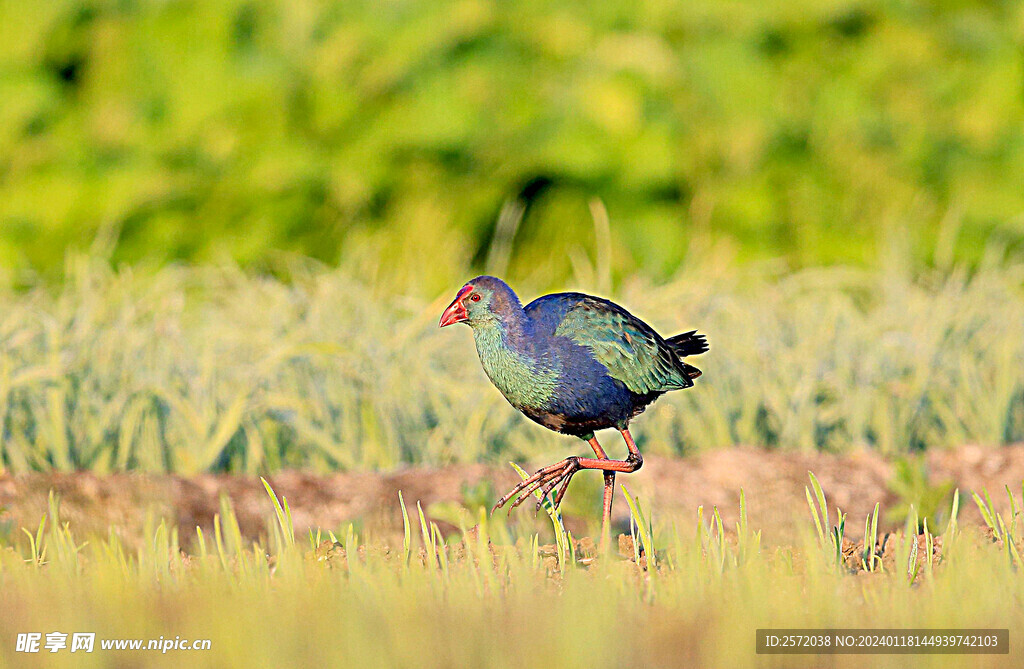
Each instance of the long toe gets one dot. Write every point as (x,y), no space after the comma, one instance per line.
(545,480)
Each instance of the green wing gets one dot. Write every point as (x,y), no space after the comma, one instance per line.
(631,350)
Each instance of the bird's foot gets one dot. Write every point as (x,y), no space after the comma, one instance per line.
(544,480)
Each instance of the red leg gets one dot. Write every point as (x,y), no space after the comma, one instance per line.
(606,517)
(559,474)
(609,494)
(634,452)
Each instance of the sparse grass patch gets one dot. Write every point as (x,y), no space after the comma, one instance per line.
(470,599)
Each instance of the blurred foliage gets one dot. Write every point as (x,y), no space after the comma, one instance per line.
(191,369)
(392,131)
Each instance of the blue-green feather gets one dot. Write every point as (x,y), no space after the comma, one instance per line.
(573,362)
(631,350)
(527,382)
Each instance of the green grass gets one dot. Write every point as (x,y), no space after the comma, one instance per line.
(816,130)
(486,595)
(199,369)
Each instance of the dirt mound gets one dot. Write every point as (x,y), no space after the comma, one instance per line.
(773,482)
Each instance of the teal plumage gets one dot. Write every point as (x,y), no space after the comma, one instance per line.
(524,381)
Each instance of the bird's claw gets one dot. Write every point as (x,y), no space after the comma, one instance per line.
(545,480)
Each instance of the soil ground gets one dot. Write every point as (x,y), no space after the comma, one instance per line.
(674,487)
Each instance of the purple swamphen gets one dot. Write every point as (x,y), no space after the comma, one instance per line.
(575,364)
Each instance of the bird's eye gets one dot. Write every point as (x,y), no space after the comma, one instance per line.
(475,297)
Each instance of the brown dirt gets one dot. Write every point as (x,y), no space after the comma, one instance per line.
(773,482)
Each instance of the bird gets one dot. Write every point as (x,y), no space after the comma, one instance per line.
(575,364)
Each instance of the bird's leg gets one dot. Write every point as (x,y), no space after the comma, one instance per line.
(609,482)
(559,474)
(609,494)
(606,516)
(634,452)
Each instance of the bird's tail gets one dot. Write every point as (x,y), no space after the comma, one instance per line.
(688,343)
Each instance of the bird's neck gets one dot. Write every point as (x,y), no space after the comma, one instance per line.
(515,361)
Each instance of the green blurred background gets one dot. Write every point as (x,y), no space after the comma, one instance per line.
(482,134)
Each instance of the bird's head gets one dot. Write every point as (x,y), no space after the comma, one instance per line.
(483,300)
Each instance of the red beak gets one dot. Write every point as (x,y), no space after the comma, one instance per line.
(456,311)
